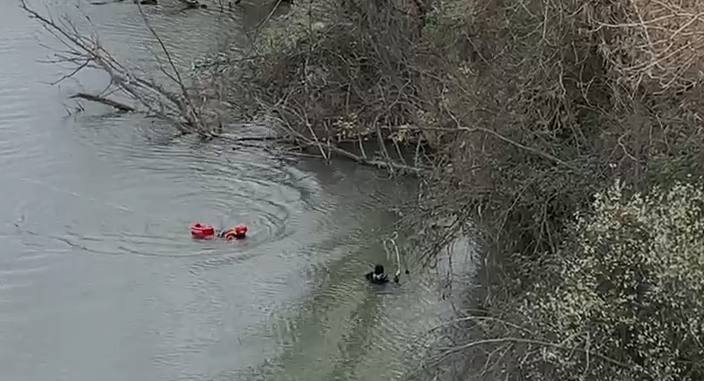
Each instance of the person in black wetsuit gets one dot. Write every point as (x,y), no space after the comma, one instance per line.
(377,276)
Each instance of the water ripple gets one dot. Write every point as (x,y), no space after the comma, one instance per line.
(208,183)
(99,276)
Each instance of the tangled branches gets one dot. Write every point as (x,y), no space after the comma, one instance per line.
(81,51)
(658,44)
(530,119)
(533,112)
(339,76)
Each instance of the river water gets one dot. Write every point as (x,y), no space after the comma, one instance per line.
(99,278)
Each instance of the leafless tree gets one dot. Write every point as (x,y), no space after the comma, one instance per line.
(81,51)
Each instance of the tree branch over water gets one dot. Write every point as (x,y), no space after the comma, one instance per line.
(82,51)
(112,103)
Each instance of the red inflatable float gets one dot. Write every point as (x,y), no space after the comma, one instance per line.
(203,231)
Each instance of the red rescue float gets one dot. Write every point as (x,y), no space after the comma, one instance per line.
(202,231)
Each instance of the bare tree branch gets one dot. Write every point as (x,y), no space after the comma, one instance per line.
(83,51)
(119,106)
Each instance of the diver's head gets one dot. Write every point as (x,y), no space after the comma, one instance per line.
(378,269)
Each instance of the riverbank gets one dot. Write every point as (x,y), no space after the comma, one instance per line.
(516,119)
(523,119)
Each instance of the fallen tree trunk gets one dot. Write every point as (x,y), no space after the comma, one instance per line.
(298,141)
(192,4)
(95,98)
(389,165)
(325,150)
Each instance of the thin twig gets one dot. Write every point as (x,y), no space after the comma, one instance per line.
(518,340)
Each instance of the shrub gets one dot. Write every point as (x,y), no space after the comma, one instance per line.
(340,69)
(628,286)
(653,43)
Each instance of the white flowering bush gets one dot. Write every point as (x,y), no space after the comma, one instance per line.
(626,299)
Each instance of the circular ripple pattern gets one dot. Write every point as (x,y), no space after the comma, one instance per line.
(119,187)
(125,189)
(151,193)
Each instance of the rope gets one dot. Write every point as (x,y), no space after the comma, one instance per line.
(392,241)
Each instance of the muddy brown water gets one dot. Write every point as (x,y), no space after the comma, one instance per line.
(99,279)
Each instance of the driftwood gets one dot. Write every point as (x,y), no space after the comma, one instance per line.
(106,101)
(389,165)
(193,4)
(298,141)
(325,150)
(105,2)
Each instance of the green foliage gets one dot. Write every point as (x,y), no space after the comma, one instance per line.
(628,285)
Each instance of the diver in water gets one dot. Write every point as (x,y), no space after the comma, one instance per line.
(238,232)
(377,276)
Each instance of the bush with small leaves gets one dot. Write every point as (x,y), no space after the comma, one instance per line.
(628,286)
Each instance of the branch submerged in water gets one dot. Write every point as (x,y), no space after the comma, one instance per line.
(81,51)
